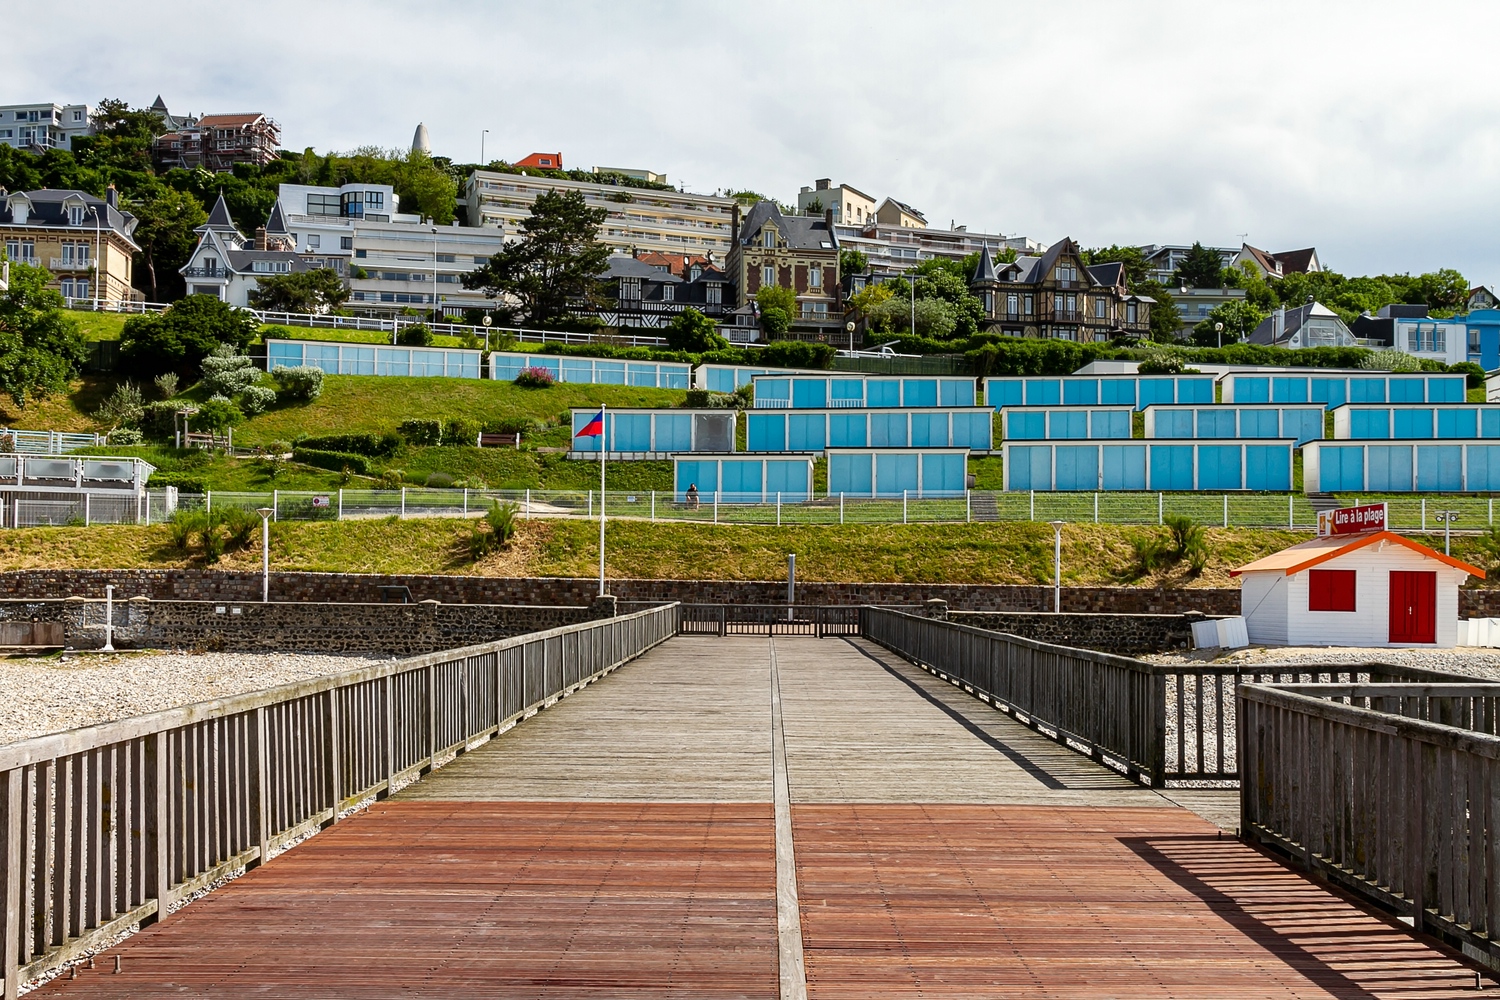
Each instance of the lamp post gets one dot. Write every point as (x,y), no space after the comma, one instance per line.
(1219,333)
(1447,517)
(1057,527)
(482,134)
(97,271)
(911,284)
(265,553)
(435,313)
(849,327)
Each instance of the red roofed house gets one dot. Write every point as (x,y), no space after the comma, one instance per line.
(218,142)
(542,161)
(1376,588)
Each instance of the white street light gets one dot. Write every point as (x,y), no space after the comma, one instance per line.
(109,619)
(265,553)
(1219,333)
(1057,527)
(1447,517)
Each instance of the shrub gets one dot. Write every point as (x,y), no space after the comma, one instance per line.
(416,335)
(217,414)
(690,330)
(1150,551)
(375,445)
(1390,361)
(179,339)
(228,374)
(123,436)
(156,420)
(516,425)
(460,431)
(1474,374)
(697,399)
(275,333)
(166,385)
(775,321)
(797,354)
(498,529)
(422,432)
(1185,532)
(333,461)
(184,481)
(256,399)
(123,406)
(439,480)
(300,383)
(534,378)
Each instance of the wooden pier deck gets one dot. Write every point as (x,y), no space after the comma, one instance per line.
(627,842)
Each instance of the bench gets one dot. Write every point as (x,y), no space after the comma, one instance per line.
(498,440)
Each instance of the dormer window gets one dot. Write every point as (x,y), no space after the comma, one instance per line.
(75,215)
(768,239)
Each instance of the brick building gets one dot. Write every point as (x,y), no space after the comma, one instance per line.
(789,251)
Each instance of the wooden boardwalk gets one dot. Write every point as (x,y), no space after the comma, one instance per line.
(622,844)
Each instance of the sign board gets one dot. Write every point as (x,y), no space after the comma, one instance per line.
(320,501)
(1352,520)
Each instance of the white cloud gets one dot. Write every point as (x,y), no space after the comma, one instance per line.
(1368,130)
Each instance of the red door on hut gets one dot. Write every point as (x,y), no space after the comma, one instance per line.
(1413,606)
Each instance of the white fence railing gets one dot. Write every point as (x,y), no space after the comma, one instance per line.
(46,442)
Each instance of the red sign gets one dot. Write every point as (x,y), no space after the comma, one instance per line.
(1352,520)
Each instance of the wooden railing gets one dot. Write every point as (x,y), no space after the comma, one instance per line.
(1156,722)
(1390,790)
(110,826)
(818,620)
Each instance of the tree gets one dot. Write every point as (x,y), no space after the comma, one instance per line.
(853,262)
(1239,318)
(1136,268)
(557,262)
(40,346)
(775,321)
(320,290)
(424,187)
(165,233)
(179,339)
(776,297)
(1201,268)
(690,330)
(122,137)
(1163,320)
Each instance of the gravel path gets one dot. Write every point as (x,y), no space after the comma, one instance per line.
(1479,662)
(55,694)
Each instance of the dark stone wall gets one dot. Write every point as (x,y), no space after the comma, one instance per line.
(400,629)
(1108,633)
(210,585)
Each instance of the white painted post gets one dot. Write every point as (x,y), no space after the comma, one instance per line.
(109,618)
(1096,508)
(86,510)
(716,506)
(1032,515)
(778,508)
(466,501)
(276,503)
(1226,510)
(1291,513)
(1161,506)
(341,503)
(903,506)
(527,512)
(403,501)
(653,505)
(1424,513)
(208,501)
(1492,510)
(841,507)
(968,508)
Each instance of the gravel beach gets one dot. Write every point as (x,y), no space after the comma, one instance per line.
(55,694)
(1480,662)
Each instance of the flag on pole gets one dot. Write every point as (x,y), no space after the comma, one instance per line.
(594,428)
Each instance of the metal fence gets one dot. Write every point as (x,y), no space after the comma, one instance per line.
(1155,722)
(110,826)
(1389,791)
(46,442)
(39,509)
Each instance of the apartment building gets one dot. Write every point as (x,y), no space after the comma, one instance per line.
(638,219)
(1162,260)
(891,250)
(850,205)
(218,142)
(85,243)
(44,126)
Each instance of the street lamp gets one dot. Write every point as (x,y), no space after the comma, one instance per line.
(482,134)
(435,314)
(265,553)
(911,283)
(1057,527)
(849,327)
(1446,518)
(1219,333)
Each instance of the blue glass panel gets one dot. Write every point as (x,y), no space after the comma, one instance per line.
(632,432)
(888,430)
(973,430)
(809,393)
(1124,466)
(1341,468)
(887,392)
(806,432)
(1069,425)
(1408,389)
(929,430)
(943,474)
(1329,391)
(1251,388)
(1268,467)
(956,392)
(1171,467)
(1043,392)
(702,474)
(1172,423)
(1260,423)
(609,372)
(360,361)
(850,474)
(1446,388)
(392,361)
(1459,423)
(1029,467)
(641,374)
(1415,423)
(1216,424)
(1484,467)
(919,392)
(1109,424)
(742,480)
(1389,467)
(1289,389)
(790,479)
(1080,392)
(1117,391)
(1304,425)
(1219,467)
(324,356)
(1363,389)
(1369,424)
(578,370)
(895,473)
(720,380)
(283,354)
(765,431)
(1195,390)
(1440,467)
(848,430)
(846,389)
(674,432)
(676,376)
(774,388)
(1077,467)
(580,421)
(505,367)
(1489,421)
(1000,392)
(1157,390)
(1026,425)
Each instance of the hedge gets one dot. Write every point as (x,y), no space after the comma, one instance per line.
(374,445)
(335,461)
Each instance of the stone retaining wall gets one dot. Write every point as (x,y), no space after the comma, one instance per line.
(399,629)
(1124,634)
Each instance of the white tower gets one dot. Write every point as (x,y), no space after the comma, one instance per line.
(421,142)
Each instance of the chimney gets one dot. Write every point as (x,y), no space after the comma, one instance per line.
(823,183)
(734,222)
(112,197)
(260,238)
(828,218)
(1278,324)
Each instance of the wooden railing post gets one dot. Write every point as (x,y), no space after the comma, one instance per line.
(390,734)
(260,811)
(332,755)
(10,880)
(1158,759)
(158,823)
(430,675)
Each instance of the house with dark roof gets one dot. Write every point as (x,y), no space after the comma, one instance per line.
(86,244)
(229,267)
(789,251)
(635,293)
(218,142)
(1279,265)
(898,213)
(1310,325)
(1056,295)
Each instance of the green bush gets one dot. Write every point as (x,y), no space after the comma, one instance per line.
(416,335)
(184,481)
(333,461)
(179,339)
(217,414)
(156,420)
(1186,534)
(374,445)
(257,399)
(122,437)
(421,432)
(460,431)
(300,383)
(690,330)
(439,480)
(1474,374)
(796,354)
(275,333)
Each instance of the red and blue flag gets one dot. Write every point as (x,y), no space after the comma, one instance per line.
(594,428)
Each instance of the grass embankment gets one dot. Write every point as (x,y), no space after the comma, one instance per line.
(1016,553)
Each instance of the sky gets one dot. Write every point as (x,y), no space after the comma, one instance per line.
(1369,130)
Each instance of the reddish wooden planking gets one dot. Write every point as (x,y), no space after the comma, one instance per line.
(495,899)
(1032,901)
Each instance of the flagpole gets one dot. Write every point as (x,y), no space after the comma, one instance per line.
(603,447)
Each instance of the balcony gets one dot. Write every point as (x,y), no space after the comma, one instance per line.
(206,272)
(70,264)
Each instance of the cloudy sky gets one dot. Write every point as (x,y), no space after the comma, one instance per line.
(1370,130)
